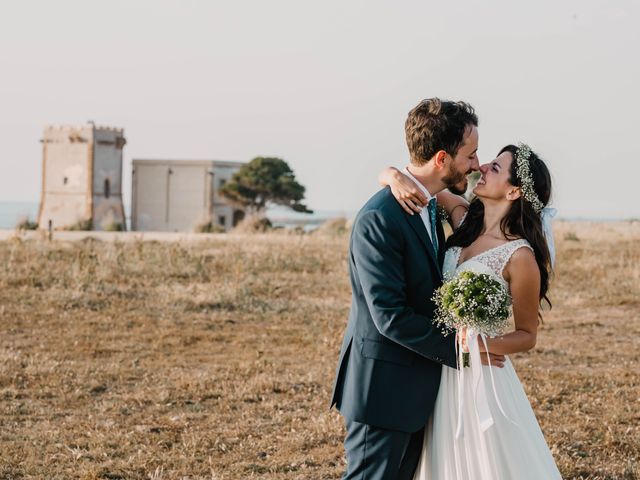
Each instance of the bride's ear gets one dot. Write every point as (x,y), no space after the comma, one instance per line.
(514,193)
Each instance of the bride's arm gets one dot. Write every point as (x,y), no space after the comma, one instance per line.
(412,200)
(455,206)
(406,192)
(523,276)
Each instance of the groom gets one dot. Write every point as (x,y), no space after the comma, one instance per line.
(392,353)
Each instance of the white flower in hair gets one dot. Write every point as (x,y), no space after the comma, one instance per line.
(526,180)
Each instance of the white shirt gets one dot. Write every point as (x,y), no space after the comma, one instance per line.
(424,213)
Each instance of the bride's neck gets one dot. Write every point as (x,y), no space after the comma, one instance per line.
(493,215)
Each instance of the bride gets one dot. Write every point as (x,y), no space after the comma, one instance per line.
(483,426)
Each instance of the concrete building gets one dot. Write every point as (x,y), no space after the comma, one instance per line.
(178,195)
(82,178)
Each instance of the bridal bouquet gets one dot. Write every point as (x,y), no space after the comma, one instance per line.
(473,300)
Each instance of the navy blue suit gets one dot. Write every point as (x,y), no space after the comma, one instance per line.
(392,354)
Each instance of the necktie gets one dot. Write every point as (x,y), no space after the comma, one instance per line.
(433,217)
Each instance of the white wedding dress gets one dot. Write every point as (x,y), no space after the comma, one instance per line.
(492,434)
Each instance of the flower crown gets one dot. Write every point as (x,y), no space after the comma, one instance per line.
(526,180)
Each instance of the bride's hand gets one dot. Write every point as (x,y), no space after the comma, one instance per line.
(462,335)
(494,359)
(405,191)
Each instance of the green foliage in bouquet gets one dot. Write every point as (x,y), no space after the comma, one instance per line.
(474,300)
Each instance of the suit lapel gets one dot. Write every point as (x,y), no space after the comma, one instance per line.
(418,226)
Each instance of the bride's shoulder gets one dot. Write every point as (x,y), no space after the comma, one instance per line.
(520,259)
(519,248)
(518,243)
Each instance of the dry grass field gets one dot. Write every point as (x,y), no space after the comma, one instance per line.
(215,359)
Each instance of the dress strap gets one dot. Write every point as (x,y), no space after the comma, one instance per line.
(509,249)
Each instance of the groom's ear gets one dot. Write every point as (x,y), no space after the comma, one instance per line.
(514,193)
(439,158)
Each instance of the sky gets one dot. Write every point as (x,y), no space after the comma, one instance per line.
(327,86)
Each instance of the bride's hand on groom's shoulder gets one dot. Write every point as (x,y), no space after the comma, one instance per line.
(405,191)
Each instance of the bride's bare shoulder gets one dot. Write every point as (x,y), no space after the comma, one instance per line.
(522,263)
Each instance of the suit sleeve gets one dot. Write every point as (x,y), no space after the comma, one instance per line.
(377,250)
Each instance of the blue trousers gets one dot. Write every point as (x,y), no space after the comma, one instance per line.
(377,454)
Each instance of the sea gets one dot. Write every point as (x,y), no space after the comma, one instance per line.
(11,213)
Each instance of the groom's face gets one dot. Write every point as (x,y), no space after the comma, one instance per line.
(464,162)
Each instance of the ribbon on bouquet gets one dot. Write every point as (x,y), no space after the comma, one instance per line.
(480,397)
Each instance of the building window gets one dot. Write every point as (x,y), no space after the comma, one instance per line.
(222,182)
(65,180)
(107,188)
(222,220)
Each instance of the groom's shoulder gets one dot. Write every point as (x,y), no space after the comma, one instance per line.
(381,205)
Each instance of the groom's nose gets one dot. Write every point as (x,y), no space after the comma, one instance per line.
(475,165)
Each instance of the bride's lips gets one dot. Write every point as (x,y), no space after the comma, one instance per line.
(482,181)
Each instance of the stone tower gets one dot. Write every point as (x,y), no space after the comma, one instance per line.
(82,178)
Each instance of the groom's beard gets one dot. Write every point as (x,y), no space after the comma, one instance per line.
(459,188)
(455,181)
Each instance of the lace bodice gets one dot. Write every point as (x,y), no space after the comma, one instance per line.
(490,261)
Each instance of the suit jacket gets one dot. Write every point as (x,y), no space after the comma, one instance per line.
(392,354)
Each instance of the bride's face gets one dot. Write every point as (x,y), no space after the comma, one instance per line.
(494,182)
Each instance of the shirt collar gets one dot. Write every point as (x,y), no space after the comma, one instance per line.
(420,185)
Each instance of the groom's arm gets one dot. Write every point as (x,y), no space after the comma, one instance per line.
(377,250)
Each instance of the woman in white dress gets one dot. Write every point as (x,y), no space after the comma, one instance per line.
(483,427)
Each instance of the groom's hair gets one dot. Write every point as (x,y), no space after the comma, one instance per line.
(435,125)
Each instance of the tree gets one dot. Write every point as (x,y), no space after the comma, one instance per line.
(264,181)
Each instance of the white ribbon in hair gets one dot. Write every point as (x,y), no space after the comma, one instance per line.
(546,216)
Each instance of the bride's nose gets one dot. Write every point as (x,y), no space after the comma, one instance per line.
(484,168)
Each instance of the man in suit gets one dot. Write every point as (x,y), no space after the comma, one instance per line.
(392,354)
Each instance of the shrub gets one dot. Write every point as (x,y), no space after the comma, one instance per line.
(208,227)
(253,224)
(333,226)
(81,225)
(571,236)
(26,224)
(114,227)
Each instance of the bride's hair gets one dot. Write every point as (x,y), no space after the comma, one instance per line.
(521,221)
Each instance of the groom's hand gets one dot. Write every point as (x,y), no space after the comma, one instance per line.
(496,360)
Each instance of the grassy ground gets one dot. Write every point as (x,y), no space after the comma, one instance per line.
(163,360)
